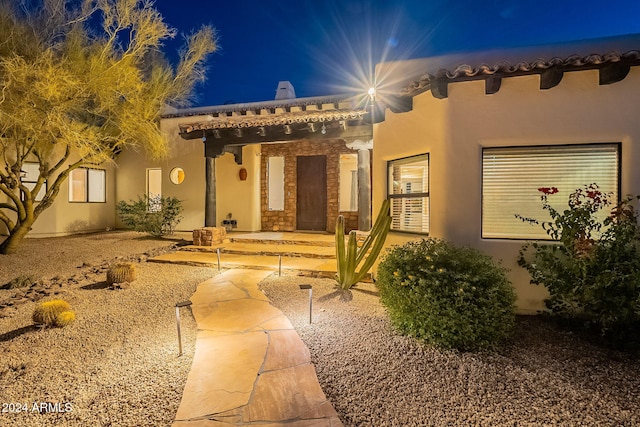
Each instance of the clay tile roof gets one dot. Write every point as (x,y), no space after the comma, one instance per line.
(232,122)
(506,69)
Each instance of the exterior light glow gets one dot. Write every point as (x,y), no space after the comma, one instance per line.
(372,92)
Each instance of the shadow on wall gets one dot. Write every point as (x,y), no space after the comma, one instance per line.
(77,226)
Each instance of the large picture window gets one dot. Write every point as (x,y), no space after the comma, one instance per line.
(408,189)
(511,178)
(87,185)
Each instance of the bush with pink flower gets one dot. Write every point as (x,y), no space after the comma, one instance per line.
(592,269)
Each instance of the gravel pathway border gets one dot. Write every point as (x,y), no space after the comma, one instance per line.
(117,364)
(374,377)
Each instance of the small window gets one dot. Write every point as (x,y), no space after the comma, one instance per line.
(348,182)
(30,175)
(87,185)
(275,172)
(408,189)
(511,178)
(176,176)
(154,189)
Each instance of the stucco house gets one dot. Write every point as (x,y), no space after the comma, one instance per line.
(460,144)
(491,128)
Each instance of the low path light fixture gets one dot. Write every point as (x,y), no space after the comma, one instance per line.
(178,306)
(303,287)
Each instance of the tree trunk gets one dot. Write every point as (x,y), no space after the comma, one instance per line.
(10,245)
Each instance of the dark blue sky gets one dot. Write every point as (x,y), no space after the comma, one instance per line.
(325,46)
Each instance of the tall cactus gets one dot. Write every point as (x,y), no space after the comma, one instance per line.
(351,257)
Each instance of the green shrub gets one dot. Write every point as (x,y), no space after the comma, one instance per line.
(53,313)
(157,216)
(593,272)
(449,296)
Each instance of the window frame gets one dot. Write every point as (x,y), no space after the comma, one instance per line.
(618,149)
(88,185)
(420,195)
(27,180)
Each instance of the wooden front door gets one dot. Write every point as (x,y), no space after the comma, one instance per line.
(312,193)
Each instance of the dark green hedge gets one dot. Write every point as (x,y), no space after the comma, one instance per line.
(449,296)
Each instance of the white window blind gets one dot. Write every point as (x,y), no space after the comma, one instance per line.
(408,189)
(511,178)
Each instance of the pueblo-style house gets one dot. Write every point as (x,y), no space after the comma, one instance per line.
(459,143)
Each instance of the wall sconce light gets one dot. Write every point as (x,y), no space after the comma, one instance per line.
(287,129)
(261,131)
(312,127)
(204,136)
(242,174)
(323,130)
(216,133)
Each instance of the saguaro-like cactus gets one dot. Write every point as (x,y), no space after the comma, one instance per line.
(352,257)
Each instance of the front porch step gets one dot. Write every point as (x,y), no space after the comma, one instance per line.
(283,238)
(312,267)
(291,253)
(270,249)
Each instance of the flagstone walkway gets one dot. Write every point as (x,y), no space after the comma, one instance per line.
(250,366)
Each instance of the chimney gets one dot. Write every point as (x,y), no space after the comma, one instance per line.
(285,90)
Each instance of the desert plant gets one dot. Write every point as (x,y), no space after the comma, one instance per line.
(352,257)
(121,273)
(157,216)
(65,318)
(53,313)
(592,272)
(449,296)
(21,281)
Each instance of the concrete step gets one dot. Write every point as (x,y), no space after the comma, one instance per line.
(284,238)
(267,249)
(313,267)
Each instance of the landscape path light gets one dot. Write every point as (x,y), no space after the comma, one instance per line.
(178,306)
(303,287)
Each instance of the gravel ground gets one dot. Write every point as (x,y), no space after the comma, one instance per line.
(117,364)
(374,377)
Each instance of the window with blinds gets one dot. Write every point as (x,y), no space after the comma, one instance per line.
(511,178)
(408,190)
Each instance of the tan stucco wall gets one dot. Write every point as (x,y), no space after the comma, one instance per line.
(64,217)
(454,130)
(238,197)
(131,179)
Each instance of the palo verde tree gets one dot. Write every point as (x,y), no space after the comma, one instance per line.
(79,81)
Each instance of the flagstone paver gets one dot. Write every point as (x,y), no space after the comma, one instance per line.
(250,366)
